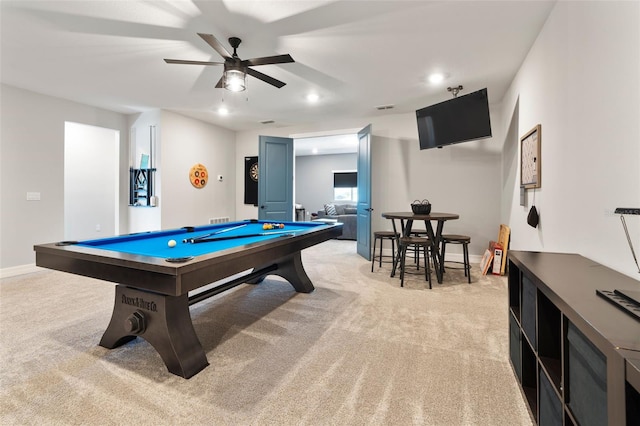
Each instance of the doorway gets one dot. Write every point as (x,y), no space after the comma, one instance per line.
(287,178)
(317,160)
(343,194)
(91,181)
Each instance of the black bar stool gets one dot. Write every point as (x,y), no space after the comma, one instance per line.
(464,240)
(383,235)
(422,233)
(415,243)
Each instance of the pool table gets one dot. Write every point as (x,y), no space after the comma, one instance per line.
(157,283)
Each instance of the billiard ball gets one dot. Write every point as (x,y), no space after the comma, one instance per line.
(171,243)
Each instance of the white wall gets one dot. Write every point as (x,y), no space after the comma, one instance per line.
(463,179)
(581,82)
(91,182)
(181,142)
(31,160)
(185,142)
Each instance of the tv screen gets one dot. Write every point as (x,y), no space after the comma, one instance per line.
(457,120)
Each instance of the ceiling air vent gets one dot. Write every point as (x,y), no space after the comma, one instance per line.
(383,107)
(267,122)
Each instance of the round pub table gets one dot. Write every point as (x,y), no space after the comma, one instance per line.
(406,222)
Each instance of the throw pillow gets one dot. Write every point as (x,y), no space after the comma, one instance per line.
(339,209)
(330,209)
(350,210)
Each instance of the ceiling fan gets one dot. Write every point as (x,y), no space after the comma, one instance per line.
(235,69)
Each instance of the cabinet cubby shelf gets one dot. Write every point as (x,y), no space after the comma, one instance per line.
(575,356)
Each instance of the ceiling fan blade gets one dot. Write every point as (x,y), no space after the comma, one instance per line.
(213,42)
(265,78)
(267,60)
(180,61)
(219,85)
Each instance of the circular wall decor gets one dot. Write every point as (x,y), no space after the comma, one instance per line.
(198,176)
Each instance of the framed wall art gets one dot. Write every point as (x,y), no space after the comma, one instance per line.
(530,156)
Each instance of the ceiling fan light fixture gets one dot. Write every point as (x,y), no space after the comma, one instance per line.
(235,80)
(234,76)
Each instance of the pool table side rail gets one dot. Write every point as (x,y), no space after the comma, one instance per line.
(159,276)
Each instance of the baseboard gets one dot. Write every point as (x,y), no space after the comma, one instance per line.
(19,270)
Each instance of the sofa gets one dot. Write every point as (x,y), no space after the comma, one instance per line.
(345,214)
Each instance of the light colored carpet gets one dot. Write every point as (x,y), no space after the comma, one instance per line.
(358,350)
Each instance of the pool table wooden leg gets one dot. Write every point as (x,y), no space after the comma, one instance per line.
(163,321)
(290,268)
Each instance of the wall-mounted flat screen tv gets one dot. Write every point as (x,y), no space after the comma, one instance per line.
(460,119)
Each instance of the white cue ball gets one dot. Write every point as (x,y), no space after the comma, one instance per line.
(171,243)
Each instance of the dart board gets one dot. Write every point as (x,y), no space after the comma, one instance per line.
(198,176)
(253,172)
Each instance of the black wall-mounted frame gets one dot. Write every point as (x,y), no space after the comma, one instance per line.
(251,180)
(141,187)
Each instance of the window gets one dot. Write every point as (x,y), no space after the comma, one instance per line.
(345,186)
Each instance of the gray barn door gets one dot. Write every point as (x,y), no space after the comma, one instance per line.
(275,179)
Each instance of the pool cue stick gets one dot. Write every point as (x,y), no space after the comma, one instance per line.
(234,237)
(190,240)
(229,229)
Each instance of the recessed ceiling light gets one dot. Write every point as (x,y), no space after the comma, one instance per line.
(314,151)
(223,110)
(313,97)
(436,78)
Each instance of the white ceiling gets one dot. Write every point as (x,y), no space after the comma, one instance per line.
(356,55)
(325,145)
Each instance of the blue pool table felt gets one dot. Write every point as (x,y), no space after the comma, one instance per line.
(155,244)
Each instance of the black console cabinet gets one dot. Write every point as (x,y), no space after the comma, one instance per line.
(575,355)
